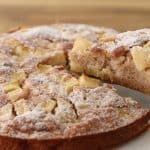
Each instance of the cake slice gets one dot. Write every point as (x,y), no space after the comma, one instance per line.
(124,59)
(66,111)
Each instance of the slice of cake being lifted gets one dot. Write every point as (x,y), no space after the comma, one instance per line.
(124,59)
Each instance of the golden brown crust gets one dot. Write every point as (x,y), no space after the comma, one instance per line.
(97,141)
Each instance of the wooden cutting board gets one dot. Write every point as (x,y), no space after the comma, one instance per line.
(118,14)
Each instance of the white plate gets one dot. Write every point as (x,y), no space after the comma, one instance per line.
(141,142)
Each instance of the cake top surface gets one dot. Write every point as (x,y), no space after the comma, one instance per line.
(127,40)
(57,32)
(51,103)
(72,31)
(133,38)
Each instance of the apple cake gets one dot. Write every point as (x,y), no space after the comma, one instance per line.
(122,59)
(52,108)
(44,105)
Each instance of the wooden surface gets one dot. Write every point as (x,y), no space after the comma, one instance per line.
(119,14)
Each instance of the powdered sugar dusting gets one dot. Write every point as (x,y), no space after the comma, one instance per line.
(126,39)
(58,32)
(72,31)
(99,97)
(105,111)
(132,38)
(43,32)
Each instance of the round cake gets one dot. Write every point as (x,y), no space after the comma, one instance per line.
(44,105)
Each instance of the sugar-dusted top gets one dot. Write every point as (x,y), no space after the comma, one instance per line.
(133,38)
(46,113)
(126,39)
(67,32)
(72,31)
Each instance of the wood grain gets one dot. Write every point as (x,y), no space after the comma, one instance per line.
(119,14)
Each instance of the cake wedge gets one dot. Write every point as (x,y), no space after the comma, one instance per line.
(123,59)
